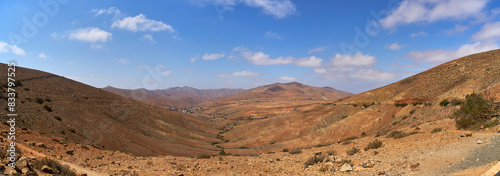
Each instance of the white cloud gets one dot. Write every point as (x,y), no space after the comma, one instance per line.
(318,49)
(260,58)
(110,11)
(370,74)
(277,8)
(17,51)
(148,37)
(309,62)
(441,55)
(141,23)
(417,34)
(394,46)
(319,70)
(417,11)
(90,34)
(214,56)
(272,35)
(287,78)
(193,59)
(242,73)
(489,31)
(6,48)
(358,59)
(123,61)
(457,29)
(166,72)
(43,56)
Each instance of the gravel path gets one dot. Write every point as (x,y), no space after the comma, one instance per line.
(489,152)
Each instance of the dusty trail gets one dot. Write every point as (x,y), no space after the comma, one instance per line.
(78,169)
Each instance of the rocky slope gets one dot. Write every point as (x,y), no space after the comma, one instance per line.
(64,108)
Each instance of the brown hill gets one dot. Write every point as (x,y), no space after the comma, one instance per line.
(373,112)
(288,91)
(63,108)
(474,73)
(180,97)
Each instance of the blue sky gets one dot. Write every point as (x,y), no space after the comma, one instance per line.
(349,45)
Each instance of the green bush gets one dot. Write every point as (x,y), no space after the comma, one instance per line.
(315,159)
(352,151)
(48,108)
(413,111)
(455,102)
(48,100)
(373,145)
(26,89)
(399,134)
(444,103)
(72,130)
(397,104)
(477,110)
(435,130)
(286,150)
(202,156)
(57,118)
(416,103)
(296,151)
(39,100)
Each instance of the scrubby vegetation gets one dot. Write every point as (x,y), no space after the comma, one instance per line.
(477,110)
(397,104)
(444,103)
(57,118)
(48,108)
(399,134)
(39,100)
(416,103)
(352,151)
(348,140)
(455,102)
(315,159)
(203,155)
(296,151)
(435,130)
(373,145)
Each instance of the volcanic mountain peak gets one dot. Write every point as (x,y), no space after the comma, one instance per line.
(292,90)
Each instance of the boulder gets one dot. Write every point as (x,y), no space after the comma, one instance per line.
(22,163)
(346,168)
(468,133)
(40,145)
(10,171)
(47,169)
(25,171)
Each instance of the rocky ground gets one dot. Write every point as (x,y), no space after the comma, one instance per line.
(442,152)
